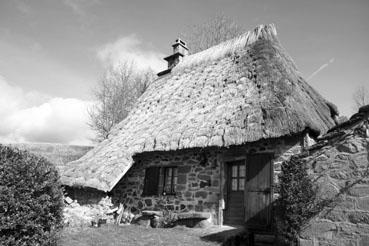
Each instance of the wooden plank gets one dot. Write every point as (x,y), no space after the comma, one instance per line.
(258,190)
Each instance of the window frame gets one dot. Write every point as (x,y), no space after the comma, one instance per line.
(162,181)
(173,180)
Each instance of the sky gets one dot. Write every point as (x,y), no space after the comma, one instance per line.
(52,53)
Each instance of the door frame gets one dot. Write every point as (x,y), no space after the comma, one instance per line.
(246,195)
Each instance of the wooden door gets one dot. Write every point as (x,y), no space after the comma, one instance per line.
(258,192)
(235,208)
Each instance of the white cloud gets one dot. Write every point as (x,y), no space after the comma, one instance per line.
(131,49)
(35,117)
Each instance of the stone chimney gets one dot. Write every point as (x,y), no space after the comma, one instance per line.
(180,50)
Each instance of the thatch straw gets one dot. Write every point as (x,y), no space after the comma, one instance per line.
(240,91)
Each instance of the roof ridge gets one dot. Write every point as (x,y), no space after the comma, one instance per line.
(267,32)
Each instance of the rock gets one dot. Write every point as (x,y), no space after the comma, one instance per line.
(68,200)
(358,217)
(148,202)
(140,205)
(169,207)
(181,187)
(203,224)
(202,194)
(188,194)
(205,183)
(144,222)
(182,179)
(363,203)
(155,221)
(204,177)
(152,213)
(348,148)
(184,169)
(111,211)
(359,190)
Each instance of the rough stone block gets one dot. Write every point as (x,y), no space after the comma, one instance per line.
(188,194)
(363,229)
(359,190)
(360,159)
(336,215)
(363,203)
(327,190)
(348,147)
(152,212)
(202,194)
(358,217)
(148,202)
(205,183)
(364,240)
(203,224)
(204,177)
(180,187)
(144,222)
(318,228)
(184,169)
(346,204)
(181,179)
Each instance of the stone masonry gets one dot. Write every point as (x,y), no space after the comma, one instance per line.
(341,171)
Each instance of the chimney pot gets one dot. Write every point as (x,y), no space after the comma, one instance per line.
(180,50)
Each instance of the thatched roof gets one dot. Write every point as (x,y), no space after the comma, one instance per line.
(57,154)
(239,91)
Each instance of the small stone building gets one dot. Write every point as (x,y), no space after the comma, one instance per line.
(209,134)
(339,166)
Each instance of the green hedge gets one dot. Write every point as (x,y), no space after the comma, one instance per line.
(297,202)
(31,199)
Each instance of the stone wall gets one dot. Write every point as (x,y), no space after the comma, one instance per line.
(199,186)
(341,171)
(197,183)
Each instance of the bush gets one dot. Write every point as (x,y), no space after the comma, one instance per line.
(31,199)
(297,202)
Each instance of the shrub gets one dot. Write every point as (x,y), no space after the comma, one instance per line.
(31,199)
(297,202)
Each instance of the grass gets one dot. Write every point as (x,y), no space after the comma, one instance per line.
(109,235)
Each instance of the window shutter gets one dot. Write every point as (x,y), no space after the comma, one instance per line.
(151,185)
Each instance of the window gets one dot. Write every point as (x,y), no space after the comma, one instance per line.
(170,180)
(238,172)
(160,180)
(151,185)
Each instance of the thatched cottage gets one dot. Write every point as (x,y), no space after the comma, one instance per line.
(210,133)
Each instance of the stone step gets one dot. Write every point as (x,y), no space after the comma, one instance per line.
(194,215)
(152,213)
